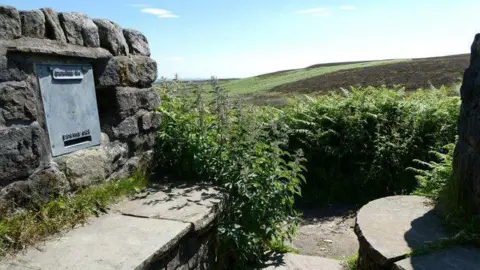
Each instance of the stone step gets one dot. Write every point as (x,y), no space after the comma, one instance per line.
(291,261)
(167,228)
(464,258)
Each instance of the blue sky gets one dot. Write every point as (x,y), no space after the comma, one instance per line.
(197,39)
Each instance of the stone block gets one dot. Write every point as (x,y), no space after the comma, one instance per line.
(90,35)
(53,27)
(72,24)
(111,37)
(137,42)
(142,142)
(10,25)
(150,120)
(17,102)
(33,23)
(20,151)
(47,184)
(126,129)
(131,100)
(136,70)
(85,167)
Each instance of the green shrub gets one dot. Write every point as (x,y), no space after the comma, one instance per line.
(359,143)
(239,148)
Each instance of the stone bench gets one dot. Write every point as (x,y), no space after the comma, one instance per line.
(169,229)
(388,229)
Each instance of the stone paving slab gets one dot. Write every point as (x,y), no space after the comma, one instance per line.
(291,261)
(197,205)
(390,227)
(112,241)
(464,258)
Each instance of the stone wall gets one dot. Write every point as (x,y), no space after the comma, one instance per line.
(123,73)
(467,152)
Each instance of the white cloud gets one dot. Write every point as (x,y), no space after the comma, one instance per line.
(161,13)
(176,59)
(317,12)
(347,7)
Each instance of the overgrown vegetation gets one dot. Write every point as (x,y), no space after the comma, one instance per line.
(359,143)
(436,181)
(241,149)
(44,219)
(356,146)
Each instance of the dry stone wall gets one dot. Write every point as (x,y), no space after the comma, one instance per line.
(123,73)
(467,152)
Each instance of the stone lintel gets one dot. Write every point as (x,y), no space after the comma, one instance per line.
(53,48)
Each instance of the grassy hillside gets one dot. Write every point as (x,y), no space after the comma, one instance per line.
(269,81)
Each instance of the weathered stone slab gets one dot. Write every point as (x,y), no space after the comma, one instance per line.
(52,26)
(53,48)
(10,26)
(48,183)
(17,102)
(390,227)
(33,23)
(197,205)
(111,37)
(109,242)
(463,258)
(137,42)
(136,70)
(72,24)
(291,261)
(90,34)
(130,100)
(20,148)
(127,128)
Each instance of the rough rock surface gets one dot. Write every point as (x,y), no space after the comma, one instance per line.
(291,261)
(127,128)
(10,26)
(52,26)
(388,228)
(20,152)
(135,70)
(130,100)
(150,120)
(137,42)
(90,34)
(111,37)
(467,154)
(33,23)
(48,183)
(198,205)
(17,102)
(72,24)
(53,48)
(85,167)
(456,258)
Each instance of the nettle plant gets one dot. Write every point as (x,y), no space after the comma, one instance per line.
(204,137)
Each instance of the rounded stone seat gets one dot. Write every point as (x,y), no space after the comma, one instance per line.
(389,228)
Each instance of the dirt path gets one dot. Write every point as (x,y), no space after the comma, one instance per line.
(327,232)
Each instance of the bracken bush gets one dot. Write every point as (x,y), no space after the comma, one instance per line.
(359,143)
(240,148)
(356,145)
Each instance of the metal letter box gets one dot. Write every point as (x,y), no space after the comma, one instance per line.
(70,106)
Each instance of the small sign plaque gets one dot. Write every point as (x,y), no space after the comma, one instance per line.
(67,73)
(70,105)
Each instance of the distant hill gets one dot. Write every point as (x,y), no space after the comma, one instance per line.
(411,73)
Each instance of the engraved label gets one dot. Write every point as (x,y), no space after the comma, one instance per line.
(67,74)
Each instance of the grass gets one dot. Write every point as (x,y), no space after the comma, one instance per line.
(33,225)
(351,263)
(268,81)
